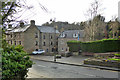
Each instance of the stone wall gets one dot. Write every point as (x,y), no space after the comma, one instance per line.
(103,63)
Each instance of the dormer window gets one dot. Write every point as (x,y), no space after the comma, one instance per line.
(62,35)
(75,35)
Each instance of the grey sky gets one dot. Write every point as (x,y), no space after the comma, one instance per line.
(66,10)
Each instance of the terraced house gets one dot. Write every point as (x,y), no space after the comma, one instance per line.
(33,37)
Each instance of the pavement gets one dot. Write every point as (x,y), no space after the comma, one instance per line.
(72,60)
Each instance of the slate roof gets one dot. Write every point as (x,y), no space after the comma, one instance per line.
(44,29)
(70,33)
(47,29)
(9,29)
(20,29)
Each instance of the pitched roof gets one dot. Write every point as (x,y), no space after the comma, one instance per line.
(44,29)
(70,33)
(47,29)
(20,29)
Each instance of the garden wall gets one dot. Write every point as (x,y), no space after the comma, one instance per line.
(103,63)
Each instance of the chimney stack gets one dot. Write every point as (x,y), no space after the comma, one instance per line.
(21,24)
(10,26)
(32,22)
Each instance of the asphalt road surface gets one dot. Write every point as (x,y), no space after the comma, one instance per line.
(43,69)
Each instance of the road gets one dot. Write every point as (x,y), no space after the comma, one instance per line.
(43,69)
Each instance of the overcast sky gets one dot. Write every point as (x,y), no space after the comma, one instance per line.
(66,10)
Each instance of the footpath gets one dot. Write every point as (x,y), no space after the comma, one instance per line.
(72,60)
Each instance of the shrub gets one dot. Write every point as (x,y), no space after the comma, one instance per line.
(117,54)
(114,59)
(15,63)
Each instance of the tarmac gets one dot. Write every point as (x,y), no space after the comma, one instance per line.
(72,60)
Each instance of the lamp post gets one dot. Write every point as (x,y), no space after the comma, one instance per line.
(54,49)
(55,44)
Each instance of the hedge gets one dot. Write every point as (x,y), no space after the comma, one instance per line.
(105,45)
(74,46)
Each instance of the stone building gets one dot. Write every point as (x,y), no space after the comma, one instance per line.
(68,36)
(33,37)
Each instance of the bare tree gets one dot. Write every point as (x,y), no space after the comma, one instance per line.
(95,21)
(9,9)
(94,9)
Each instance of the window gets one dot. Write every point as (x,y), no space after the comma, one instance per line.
(11,35)
(11,41)
(51,43)
(66,49)
(14,35)
(75,35)
(56,49)
(52,49)
(43,43)
(43,36)
(65,35)
(62,49)
(51,37)
(46,50)
(8,42)
(62,35)
(36,43)
(36,35)
(15,42)
(20,42)
(56,43)
(115,34)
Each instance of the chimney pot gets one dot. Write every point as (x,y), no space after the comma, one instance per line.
(21,24)
(32,22)
(10,26)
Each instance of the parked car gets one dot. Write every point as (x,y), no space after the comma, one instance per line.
(58,56)
(39,51)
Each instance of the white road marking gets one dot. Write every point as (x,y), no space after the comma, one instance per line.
(41,66)
(90,75)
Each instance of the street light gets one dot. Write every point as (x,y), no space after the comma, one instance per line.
(55,45)
(54,49)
